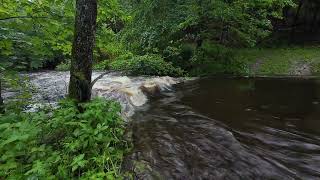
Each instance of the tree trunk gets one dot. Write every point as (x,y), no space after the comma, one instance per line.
(295,20)
(313,25)
(82,50)
(1,100)
(28,65)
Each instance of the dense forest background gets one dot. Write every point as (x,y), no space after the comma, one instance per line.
(193,37)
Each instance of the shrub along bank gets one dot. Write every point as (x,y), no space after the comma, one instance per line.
(219,60)
(64,143)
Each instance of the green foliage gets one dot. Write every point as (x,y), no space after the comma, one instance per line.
(180,56)
(104,65)
(33,33)
(20,86)
(216,59)
(150,64)
(64,143)
(65,66)
(236,22)
(179,33)
(316,68)
(36,31)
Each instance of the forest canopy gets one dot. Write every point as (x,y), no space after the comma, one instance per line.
(38,34)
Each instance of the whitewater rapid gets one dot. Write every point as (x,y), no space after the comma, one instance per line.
(131,92)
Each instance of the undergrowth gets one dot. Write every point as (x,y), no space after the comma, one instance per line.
(213,59)
(150,64)
(64,143)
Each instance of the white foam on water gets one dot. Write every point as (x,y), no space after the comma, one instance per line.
(128,91)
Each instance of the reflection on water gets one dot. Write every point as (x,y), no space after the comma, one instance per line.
(232,129)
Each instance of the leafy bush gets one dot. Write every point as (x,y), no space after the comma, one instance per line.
(64,66)
(63,143)
(180,56)
(316,68)
(104,65)
(217,59)
(22,88)
(150,64)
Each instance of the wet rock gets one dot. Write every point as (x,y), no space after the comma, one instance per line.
(301,69)
(136,96)
(150,88)
(254,68)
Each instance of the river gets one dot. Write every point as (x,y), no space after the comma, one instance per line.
(230,128)
(211,128)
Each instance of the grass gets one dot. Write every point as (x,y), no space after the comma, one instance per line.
(279,61)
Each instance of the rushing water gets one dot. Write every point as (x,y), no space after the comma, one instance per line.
(230,129)
(131,92)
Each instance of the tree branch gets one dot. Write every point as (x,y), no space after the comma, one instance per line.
(99,77)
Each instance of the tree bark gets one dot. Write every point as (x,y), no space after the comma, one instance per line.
(296,18)
(313,25)
(82,50)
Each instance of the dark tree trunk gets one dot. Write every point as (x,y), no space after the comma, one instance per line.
(295,20)
(1,100)
(28,65)
(313,27)
(82,50)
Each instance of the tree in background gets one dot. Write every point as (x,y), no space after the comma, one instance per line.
(82,50)
(34,33)
(39,35)
(199,32)
(159,24)
(31,34)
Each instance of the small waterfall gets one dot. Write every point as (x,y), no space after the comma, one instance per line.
(130,92)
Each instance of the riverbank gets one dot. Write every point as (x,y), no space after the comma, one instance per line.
(72,141)
(282,61)
(106,117)
(295,61)
(60,141)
